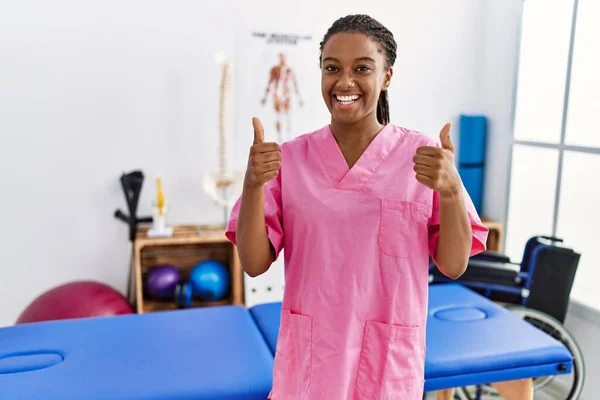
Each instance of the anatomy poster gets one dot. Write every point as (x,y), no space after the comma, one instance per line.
(277,80)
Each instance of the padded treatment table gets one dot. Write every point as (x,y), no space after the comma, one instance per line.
(268,318)
(470,340)
(212,353)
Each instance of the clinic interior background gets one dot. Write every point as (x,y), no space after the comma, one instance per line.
(89,91)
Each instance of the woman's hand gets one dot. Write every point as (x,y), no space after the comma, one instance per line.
(264,160)
(435,166)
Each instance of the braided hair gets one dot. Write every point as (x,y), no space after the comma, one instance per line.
(360,23)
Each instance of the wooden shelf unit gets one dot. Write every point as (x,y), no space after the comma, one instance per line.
(188,246)
(495,235)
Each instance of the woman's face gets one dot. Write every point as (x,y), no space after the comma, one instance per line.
(353,74)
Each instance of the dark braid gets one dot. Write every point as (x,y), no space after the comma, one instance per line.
(366,25)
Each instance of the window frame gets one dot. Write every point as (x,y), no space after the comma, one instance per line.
(561,146)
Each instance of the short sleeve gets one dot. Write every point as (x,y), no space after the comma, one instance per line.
(479,230)
(273,216)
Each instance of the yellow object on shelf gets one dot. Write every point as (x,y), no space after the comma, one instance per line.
(160,196)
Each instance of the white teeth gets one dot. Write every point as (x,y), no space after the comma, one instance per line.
(347,99)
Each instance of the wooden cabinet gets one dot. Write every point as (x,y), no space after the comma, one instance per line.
(188,246)
(495,236)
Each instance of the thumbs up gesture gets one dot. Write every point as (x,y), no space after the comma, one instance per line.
(435,168)
(264,160)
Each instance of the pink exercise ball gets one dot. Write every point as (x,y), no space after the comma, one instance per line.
(72,300)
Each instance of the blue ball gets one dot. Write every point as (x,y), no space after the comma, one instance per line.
(210,280)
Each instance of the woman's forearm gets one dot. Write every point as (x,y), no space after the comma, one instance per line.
(455,240)
(254,247)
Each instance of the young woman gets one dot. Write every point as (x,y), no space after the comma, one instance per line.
(359,206)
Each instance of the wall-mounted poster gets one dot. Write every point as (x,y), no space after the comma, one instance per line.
(277,80)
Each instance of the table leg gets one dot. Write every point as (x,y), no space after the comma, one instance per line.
(445,394)
(521,389)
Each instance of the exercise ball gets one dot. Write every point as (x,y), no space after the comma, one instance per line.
(162,280)
(81,299)
(210,280)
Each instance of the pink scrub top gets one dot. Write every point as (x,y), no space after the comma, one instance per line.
(357,245)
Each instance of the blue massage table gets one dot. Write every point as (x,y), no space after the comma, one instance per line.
(212,353)
(470,340)
(227,352)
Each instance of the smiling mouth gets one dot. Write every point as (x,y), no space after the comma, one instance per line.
(346,100)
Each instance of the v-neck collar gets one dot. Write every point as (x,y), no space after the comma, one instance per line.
(354,178)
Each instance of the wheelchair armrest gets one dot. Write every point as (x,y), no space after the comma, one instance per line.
(489,255)
(492,272)
(493,265)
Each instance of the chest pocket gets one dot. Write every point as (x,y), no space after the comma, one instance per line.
(403,228)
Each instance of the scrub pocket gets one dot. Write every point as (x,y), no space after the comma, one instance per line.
(403,228)
(389,365)
(293,354)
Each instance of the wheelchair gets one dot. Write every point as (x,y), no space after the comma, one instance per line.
(537,289)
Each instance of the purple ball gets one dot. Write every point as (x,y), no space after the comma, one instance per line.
(162,280)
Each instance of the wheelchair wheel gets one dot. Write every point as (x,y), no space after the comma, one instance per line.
(547,386)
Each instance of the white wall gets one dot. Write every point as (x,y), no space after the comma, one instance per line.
(501,24)
(87,92)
